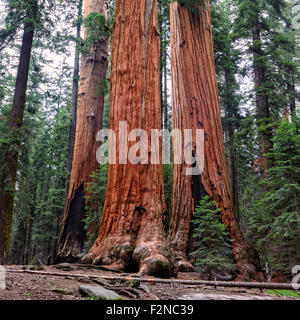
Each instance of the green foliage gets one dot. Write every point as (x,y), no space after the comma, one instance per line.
(164,30)
(191,4)
(168,183)
(95,197)
(97,28)
(284,293)
(212,239)
(102,87)
(168,189)
(273,212)
(276,50)
(41,176)
(41,194)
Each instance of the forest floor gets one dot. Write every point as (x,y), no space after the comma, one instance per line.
(21,285)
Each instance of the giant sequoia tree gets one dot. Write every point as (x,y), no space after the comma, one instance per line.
(131,233)
(89,122)
(196,106)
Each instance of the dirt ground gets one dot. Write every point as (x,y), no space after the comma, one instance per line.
(28,286)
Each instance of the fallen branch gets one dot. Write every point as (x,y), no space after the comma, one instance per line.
(258,285)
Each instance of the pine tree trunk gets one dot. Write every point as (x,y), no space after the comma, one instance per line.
(75,89)
(233,171)
(230,114)
(131,233)
(292,92)
(11,149)
(89,122)
(196,106)
(290,72)
(262,104)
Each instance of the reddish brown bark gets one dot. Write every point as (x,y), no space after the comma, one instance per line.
(131,232)
(89,122)
(196,106)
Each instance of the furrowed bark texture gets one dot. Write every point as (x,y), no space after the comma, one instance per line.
(196,106)
(131,232)
(89,122)
(11,151)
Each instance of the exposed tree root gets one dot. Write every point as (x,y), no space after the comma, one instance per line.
(110,251)
(148,258)
(248,263)
(154,258)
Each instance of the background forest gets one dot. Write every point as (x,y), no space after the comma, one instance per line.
(267,205)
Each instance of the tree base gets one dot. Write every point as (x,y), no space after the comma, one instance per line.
(147,258)
(155,259)
(248,263)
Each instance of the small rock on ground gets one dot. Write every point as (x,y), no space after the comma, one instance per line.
(99,292)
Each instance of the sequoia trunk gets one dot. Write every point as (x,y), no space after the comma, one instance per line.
(196,106)
(11,149)
(89,122)
(131,233)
